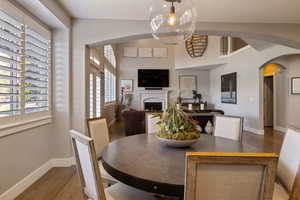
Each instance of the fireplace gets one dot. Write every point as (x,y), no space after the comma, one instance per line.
(154,100)
(153,106)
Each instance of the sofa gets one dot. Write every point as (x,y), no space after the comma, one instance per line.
(134,122)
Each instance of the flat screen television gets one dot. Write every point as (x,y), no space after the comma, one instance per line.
(153,78)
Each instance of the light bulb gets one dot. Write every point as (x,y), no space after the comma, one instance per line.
(172,19)
(172,16)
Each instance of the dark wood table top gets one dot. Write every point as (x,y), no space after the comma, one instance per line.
(142,162)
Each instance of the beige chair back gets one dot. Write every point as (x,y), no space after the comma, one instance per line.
(228,127)
(87,167)
(289,160)
(151,126)
(98,130)
(230,176)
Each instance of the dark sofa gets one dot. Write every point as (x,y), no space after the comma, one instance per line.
(134,122)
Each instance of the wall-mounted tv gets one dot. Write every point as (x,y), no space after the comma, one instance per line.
(153,78)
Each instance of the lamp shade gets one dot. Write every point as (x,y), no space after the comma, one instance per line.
(172,21)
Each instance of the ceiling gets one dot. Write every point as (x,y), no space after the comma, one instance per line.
(244,11)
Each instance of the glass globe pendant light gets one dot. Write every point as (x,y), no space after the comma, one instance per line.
(172,21)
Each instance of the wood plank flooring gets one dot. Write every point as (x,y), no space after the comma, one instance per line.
(63,183)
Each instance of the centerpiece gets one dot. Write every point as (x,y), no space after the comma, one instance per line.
(176,128)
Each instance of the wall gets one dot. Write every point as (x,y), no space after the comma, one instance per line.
(287,105)
(249,87)
(128,69)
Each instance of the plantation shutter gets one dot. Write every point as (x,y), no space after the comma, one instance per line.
(11,47)
(37,72)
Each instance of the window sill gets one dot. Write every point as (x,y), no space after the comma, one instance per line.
(17,127)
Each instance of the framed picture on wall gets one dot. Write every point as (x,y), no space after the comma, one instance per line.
(295,85)
(187,83)
(127,84)
(229,88)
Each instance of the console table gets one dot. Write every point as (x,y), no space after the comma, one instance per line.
(203,116)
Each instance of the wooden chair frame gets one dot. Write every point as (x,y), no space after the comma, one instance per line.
(295,194)
(268,160)
(75,136)
(94,119)
(230,116)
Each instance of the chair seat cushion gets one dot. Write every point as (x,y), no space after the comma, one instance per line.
(280,193)
(121,191)
(106,175)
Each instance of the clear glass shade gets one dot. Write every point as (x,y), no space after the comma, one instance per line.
(172,25)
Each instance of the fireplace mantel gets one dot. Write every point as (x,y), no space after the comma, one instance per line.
(154,96)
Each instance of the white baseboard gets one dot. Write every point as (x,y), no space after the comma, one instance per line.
(63,162)
(253,130)
(26,182)
(279,128)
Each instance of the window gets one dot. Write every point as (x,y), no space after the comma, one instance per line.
(110,55)
(110,86)
(95,95)
(24,68)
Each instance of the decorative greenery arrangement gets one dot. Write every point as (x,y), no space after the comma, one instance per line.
(176,125)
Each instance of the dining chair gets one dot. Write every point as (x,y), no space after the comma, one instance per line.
(98,130)
(288,172)
(90,175)
(151,126)
(230,127)
(230,176)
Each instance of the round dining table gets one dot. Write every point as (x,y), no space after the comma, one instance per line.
(142,162)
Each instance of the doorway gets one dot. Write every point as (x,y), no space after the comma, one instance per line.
(269,101)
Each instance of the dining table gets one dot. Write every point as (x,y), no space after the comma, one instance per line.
(141,161)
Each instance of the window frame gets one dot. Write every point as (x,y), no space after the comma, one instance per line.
(17,123)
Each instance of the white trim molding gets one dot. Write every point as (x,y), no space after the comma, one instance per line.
(255,131)
(279,128)
(24,125)
(26,182)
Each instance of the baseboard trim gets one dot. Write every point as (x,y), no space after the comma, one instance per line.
(280,128)
(255,131)
(26,182)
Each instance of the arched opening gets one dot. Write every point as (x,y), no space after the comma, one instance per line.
(278,104)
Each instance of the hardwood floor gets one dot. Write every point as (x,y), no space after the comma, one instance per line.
(63,183)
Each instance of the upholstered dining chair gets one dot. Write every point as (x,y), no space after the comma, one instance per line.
(230,176)
(228,127)
(151,126)
(98,130)
(288,173)
(90,175)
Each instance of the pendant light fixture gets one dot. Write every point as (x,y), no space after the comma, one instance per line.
(172,21)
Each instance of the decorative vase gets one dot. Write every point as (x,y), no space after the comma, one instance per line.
(209,128)
(199,128)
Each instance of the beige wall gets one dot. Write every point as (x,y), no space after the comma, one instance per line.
(287,105)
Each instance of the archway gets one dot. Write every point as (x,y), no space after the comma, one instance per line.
(114,31)
(283,102)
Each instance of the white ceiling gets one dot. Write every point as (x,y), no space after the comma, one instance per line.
(251,11)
